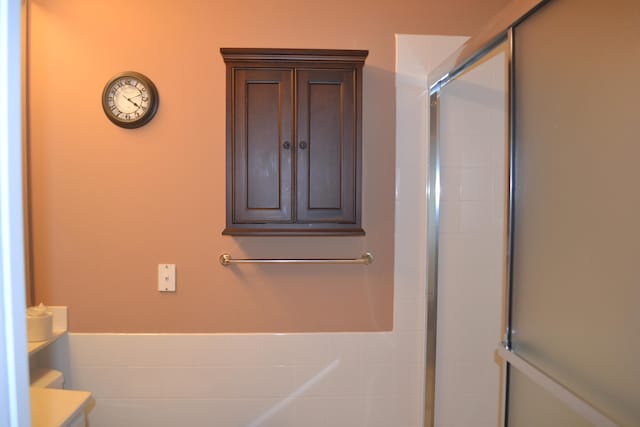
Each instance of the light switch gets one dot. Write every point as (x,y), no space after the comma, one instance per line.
(167,277)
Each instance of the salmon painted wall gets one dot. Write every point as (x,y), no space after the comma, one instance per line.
(110,204)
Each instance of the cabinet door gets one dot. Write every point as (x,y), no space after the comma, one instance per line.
(326,146)
(262,145)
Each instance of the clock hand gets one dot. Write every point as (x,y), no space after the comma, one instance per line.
(133,102)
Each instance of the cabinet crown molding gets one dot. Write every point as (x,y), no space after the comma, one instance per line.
(293,55)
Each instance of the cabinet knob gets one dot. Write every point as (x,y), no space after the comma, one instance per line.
(302,145)
(286,145)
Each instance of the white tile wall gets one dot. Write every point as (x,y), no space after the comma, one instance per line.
(296,380)
(470,313)
(325,379)
(472,242)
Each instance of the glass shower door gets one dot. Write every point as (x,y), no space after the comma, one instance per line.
(572,320)
(472,117)
(576,211)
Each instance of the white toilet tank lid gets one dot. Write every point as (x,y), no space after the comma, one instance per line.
(48,378)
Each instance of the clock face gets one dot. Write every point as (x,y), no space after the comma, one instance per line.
(130,100)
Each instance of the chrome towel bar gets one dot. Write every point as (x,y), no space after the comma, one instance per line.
(365,259)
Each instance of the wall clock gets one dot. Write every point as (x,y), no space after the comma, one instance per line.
(130,99)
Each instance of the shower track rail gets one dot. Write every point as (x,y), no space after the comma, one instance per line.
(560,392)
(365,259)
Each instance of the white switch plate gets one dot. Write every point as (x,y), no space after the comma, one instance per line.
(167,277)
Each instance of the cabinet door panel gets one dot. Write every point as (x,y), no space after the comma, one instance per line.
(326,147)
(261,164)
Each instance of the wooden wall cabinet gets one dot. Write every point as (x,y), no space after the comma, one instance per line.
(294,141)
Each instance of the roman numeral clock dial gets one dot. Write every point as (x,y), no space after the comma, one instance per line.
(130,99)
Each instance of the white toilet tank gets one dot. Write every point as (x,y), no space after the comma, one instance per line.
(50,378)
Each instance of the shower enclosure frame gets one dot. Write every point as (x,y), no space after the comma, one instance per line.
(499,31)
(463,59)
